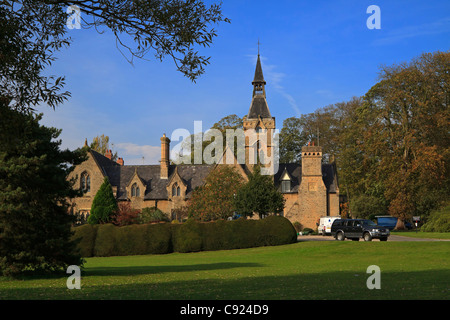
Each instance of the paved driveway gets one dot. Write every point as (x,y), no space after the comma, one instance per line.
(391,238)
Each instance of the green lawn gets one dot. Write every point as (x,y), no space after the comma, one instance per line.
(423,235)
(305,270)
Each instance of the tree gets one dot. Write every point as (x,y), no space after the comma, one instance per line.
(259,195)
(104,205)
(410,133)
(125,214)
(215,199)
(35,227)
(164,27)
(101,144)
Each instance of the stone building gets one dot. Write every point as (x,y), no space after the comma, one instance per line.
(310,188)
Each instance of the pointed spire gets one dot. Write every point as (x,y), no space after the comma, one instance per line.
(258,107)
(259,78)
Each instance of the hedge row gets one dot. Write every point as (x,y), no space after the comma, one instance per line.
(109,240)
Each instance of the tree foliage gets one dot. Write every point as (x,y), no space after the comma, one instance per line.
(101,145)
(104,206)
(259,196)
(391,146)
(215,199)
(35,227)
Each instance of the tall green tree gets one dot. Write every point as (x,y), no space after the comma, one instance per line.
(259,196)
(104,206)
(35,227)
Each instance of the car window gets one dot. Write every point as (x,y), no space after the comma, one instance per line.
(357,223)
(368,223)
(349,223)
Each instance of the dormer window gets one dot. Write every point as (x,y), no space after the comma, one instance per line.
(85,182)
(135,191)
(176,191)
(286,186)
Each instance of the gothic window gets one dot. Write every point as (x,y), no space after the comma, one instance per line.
(174,190)
(135,191)
(85,182)
(178,191)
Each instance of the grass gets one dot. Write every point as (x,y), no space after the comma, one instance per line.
(423,235)
(304,270)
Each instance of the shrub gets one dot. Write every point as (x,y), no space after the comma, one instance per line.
(191,236)
(438,221)
(125,215)
(85,236)
(159,238)
(187,237)
(153,214)
(131,240)
(105,242)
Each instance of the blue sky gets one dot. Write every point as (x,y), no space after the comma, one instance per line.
(314,53)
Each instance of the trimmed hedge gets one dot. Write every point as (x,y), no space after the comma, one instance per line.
(191,236)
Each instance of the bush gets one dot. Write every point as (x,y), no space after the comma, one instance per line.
(159,238)
(85,236)
(131,240)
(105,242)
(187,237)
(153,214)
(191,236)
(438,221)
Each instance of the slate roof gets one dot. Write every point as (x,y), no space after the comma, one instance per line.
(329,176)
(259,77)
(192,175)
(258,108)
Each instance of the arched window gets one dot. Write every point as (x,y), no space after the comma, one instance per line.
(135,191)
(178,191)
(85,182)
(174,190)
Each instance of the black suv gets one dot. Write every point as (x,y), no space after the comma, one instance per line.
(358,228)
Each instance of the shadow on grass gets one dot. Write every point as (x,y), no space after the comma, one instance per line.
(140,270)
(344,285)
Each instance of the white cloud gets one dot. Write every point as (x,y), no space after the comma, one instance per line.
(134,154)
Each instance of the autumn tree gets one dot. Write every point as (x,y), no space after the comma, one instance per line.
(410,134)
(101,145)
(215,199)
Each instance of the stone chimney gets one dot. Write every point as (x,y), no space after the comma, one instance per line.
(120,161)
(108,154)
(165,148)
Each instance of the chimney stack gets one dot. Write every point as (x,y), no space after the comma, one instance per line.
(108,154)
(165,147)
(120,161)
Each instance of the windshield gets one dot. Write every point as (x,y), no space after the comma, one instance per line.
(368,223)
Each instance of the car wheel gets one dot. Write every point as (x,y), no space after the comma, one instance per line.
(367,236)
(340,236)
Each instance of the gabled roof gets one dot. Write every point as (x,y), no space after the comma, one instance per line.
(294,170)
(150,175)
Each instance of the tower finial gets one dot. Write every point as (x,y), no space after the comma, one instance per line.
(258,46)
